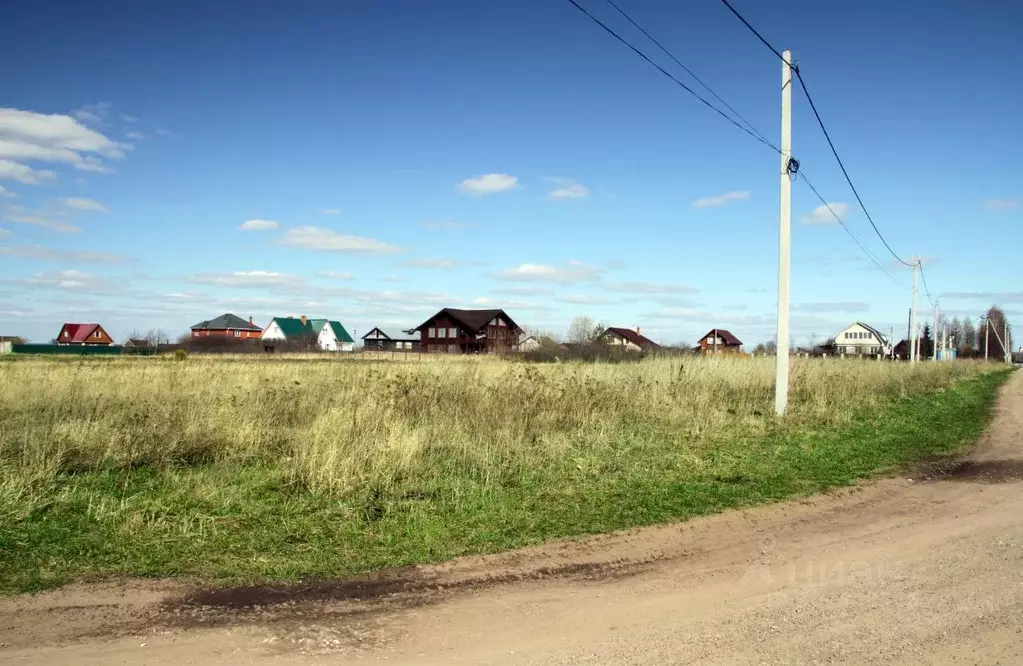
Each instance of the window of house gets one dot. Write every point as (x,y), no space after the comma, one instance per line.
(96,334)
(452,332)
(500,322)
(431,332)
(237,334)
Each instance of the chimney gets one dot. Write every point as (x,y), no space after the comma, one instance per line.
(638,331)
(252,324)
(303,320)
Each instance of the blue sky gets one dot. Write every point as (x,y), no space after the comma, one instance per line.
(375,161)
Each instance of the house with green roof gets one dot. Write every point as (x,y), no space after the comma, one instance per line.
(325,334)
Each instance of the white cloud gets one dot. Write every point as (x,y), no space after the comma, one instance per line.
(525,291)
(41,253)
(92,165)
(3,233)
(586,299)
(986,296)
(330,211)
(47,218)
(73,280)
(573,272)
(334,275)
(136,136)
(129,119)
(1011,203)
(721,199)
(93,113)
(327,240)
(164,132)
(432,262)
(821,214)
(6,193)
(490,183)
(30,136)
(246,279)
(258,225)
(650,288)
(24,174)
(831,306)
(80,203)
(567,189)
(449,225)
(395,278)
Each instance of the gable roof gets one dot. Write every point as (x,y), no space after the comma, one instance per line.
(632,336)
(474,320)
(292,327)
(395,334)
(339,331)
(80,332)
(724,335)
(226,320)
(876,332)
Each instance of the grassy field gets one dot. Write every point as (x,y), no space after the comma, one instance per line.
(254,468)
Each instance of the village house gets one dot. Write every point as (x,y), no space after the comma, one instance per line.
(469,332)
(720,341)
(91,335)
(626,338)
(324,334)
(860,339)
(227,325)
(391,340)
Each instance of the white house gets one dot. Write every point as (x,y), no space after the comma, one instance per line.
(327,334)
(860,339)
(528,344)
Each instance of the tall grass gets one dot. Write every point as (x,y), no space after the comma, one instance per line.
(344,427)
(251,468)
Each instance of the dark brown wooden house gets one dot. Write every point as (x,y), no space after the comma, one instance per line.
(720,341)
(469,332)
(391,340)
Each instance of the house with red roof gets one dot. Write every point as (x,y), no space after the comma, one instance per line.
(92,335)
(626,338)
(720,341)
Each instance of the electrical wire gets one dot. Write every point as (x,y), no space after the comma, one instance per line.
(824,129)
(924,279)
(672,77)
(691,73)
(793,165)
(849,231)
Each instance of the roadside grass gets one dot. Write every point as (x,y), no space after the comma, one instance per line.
(248,471)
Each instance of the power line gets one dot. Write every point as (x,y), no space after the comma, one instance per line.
(824,129)
(848,230)
(924,278)
(752,131)
(670,76)
(690,72)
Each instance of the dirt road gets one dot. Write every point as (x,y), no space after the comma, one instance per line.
(926,569)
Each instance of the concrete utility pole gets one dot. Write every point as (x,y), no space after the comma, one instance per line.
(915,340)
(1005,341)
(935,334)
(781,379)
(987,335)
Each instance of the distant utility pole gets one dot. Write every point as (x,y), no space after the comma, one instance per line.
(987,335)
(914,342)
(935,334)
(1005,341)
(781,378)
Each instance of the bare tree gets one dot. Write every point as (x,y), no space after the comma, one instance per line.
(969,335)
(156,337)
(998,338)
(583,330)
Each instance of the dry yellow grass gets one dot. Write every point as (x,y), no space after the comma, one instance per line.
(344,425)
